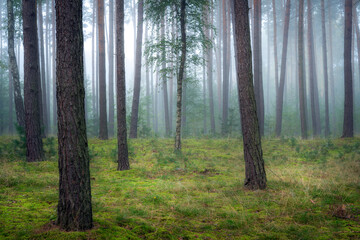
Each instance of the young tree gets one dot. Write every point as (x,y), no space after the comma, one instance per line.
(137,78)
(348,127)
(32,89)
(275,48)
(255,176)
(280,95)
(111,68)
(302,88)
(74,208)
(123,158)
(19,105)
(103,131)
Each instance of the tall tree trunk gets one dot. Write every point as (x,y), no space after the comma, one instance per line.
(11,103)
(181,75)
(255,176)
(15,79)
(326,82)
(111,68)
(218,57)
(94,51)
(47,63)
(147,78)
(312,74)
(137,78)
(123,158)
(54,65)
(259,92)
(225,105)
(348,127)
(275,49)
(43,76)
(331,70)
(103,131)
(209,58)
(280,95)
(32,93)
(357,31)
(74,208)
(302,88)
(164,83)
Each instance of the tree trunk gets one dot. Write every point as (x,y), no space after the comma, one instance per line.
(280,95)
(259,93)
(331,70)
(74,208)
(255,176)
(348,127)
(137,79)
(43,76)
(103,131)
(47,63)
(218,57)
(326,83)
(19,105)
(164,83)
(111,69)
(302,88)
(54,65)
(312,74)
(275,49)
(94,78)
(181,75)
(123,158)
(148,98)
(225,105)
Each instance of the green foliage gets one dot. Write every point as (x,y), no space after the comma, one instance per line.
(195,194)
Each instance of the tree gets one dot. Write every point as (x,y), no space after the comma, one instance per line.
(275,48)
(103,131)
(74,208)
(19,105)
(302,88)
(225,103)
(137,78)
(123,158)
(280,91)
(325,65)
(348,127)
(111,68)
(32,89)
(255,176)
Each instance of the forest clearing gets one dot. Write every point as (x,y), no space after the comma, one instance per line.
(313,191)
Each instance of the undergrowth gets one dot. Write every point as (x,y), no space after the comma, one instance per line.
(313,191)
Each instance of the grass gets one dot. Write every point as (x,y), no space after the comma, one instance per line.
(313,191)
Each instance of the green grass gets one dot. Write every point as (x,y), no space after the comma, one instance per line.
(313,191)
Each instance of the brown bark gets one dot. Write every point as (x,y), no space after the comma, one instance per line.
(103,131)
(348,127)
(74,207)
(225,105)
(275,48)
(280,95)
(32,93)
(15,80)
(180,76)
(94,51)
(123,158)
(255,176)
(137,78)
(111,69)
(302,88)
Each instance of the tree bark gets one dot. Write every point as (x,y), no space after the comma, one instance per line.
(348,127)
(225,105)
(181,75)
(74,208)
(32,93)
(19,105)
(164,83)
(94,51)
(103,131)
(255,176)
(111,68)
(123,158)
(275,49)
(54,65)
(331,70)
(280,95)
(302,88)
(42,72)
(137,78)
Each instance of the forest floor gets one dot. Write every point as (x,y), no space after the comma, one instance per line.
(313,191)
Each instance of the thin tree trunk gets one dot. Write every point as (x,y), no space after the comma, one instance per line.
(326,83)
(164,83)
(47,35)
(225,105)
(43,76)
(331,70)
(218,57)
(93,60)
(255,176)
(11,103)
(280,95)
(111,68)
(74,208)
(54,66)
(181,75)
(15,79)
(348,127)
(123,158)
(103,131)
(275,49)
(209,57)
(302,88)
(147,78)
(32,93)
